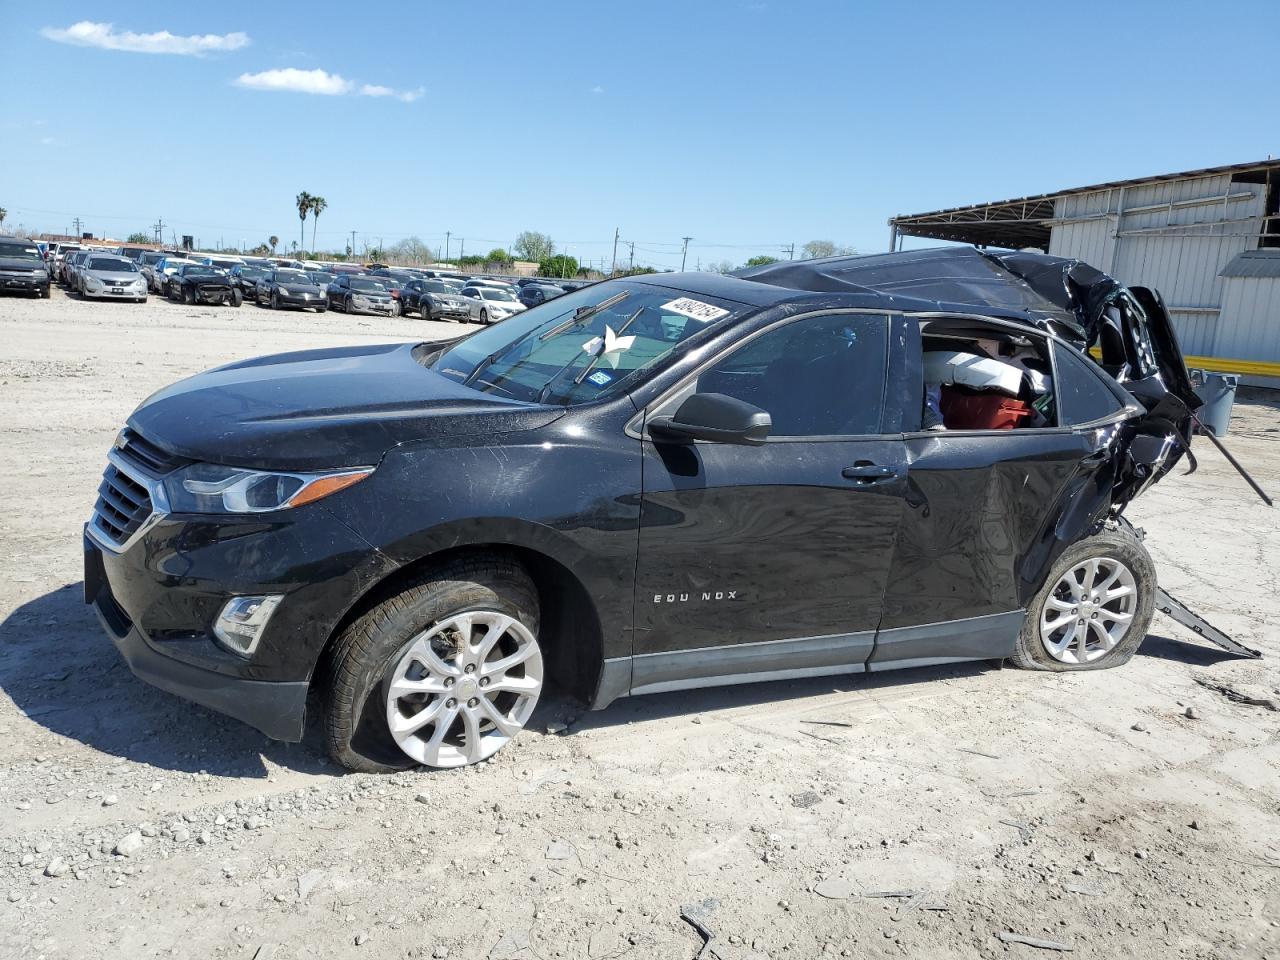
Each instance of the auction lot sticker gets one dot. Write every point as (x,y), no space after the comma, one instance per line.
(696,309)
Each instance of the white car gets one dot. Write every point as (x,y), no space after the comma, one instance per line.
(108,277)
(489,304)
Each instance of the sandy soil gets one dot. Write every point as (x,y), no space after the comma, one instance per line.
(1127,813)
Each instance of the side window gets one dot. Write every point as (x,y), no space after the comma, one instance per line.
(1083,394)
(816,378)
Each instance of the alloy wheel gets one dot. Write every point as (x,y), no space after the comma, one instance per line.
(463,688)
(1088,611)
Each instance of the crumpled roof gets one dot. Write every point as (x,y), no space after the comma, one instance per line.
(1068,295)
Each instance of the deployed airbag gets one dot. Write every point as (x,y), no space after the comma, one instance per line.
(971,370)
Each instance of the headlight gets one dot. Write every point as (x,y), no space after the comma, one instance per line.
(282,291)
(211,488)
(93,283)
(139,282)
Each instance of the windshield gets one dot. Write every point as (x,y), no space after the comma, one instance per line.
(488,294)
(293,276)
(252,273)
(200,270)
(436,286)
(364,283)
(584,345)
(112,265)
(19,251)
(323,279)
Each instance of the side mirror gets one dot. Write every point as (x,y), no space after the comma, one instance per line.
(714,417)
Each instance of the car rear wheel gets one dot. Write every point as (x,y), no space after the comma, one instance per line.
(444,673)
(1094,608)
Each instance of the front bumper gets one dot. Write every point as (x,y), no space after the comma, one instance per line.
(278,709)
(159,596)
(20,284)
(382,309)
(302,302)
(116,293)
(449,313)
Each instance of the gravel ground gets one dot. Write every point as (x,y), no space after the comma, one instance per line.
(938,812)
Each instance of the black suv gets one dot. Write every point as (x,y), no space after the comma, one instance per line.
(655,483)
(22,268)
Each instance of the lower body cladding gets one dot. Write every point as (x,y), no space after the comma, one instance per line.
(957,641)
(161,598)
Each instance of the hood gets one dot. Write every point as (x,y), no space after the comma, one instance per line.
(371,294)
(216,280)
(305,286)
(20,264)
(118,277)
(320,409)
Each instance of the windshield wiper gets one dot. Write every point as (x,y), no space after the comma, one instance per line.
(546,389)
(581,315)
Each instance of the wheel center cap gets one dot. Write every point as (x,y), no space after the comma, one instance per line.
(467,687)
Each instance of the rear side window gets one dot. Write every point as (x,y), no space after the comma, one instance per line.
(1083,395)
(821,377)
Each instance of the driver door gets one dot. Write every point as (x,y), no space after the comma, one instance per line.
(771,561)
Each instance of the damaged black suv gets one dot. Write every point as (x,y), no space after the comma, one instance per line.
(648,484)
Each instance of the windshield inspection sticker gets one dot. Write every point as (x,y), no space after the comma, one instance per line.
(695,309)
(601,378)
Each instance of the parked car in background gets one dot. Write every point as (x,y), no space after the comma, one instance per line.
(196,283)
(434,300)
(71,269)
(322,278)
(289,288)
(221,262)
(22,268)
(246,277)
(131,252)
(487,282)
(164,270)
(491,304)
(393,280)
(354,293)
(111,277)
(532,294)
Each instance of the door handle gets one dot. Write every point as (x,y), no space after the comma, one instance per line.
(866,472)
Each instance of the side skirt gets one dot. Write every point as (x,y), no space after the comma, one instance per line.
(991,637)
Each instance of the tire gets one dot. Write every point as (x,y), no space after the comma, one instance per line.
(395,308)
(321,308)
(1122,562)
(275,301)
(484,315)
(188,296)
(375,647)
(237,297)
(346,305)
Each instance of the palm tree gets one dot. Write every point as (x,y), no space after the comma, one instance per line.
(3,213)
(317,207)
(273,241)
(304,207)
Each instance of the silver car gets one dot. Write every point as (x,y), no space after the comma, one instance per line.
(111,277)
(489,304)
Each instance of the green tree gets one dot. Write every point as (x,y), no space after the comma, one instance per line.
(137,237)
(273,242)
(560,265)
(531,245)
(318,205)
(760,261)
(304,207)
(3,213)
(825,248)
(498,255)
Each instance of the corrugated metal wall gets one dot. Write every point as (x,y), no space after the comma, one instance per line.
(1252,305)
(1177,245)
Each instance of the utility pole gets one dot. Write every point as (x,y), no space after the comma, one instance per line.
(790,251)
(159,229)
(462,246)
(632,264)
(614,268)
(77,223)
(353,245)
(685,252)
(447,234)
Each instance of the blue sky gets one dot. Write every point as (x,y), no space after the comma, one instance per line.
(745,125)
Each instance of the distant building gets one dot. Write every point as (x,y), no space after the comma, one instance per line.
(1208,240)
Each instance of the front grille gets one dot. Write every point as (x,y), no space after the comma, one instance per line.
(125,501)
(124,504)
(136,448)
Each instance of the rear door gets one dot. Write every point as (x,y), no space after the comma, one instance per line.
(759,562)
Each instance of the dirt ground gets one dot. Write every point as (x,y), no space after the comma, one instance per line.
(927,813)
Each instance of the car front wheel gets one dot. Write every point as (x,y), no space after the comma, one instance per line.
(1094,608)
(445,673)
(484,315)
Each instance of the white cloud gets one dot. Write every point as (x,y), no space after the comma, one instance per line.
(297,81)
(405,96)
(104,36)
(597,89)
